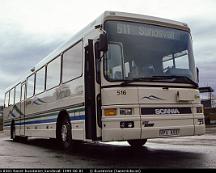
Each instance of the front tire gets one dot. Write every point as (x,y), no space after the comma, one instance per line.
(137,143)
(64,135)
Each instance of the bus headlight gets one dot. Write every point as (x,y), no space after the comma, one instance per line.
(125,111)
(110,111)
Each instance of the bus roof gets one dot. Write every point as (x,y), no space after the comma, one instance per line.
(111,15)
(107,15)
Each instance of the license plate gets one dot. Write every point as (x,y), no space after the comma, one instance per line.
(169,132)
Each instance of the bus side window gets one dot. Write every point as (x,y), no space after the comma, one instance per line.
(6,99)
(72,63)
(23,92)
(30,85)
(11,99)
(40,81)
(17,93)
(53,73)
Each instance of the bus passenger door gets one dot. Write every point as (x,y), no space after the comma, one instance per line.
(90,109)
(22,109)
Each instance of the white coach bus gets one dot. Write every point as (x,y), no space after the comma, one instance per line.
(125,77)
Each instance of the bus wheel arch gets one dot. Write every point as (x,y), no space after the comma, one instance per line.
(63,130)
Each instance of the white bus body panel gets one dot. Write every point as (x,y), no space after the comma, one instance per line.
(149,126)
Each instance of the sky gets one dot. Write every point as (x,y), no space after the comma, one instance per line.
(31,29)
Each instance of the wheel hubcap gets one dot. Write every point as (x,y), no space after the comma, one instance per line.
(64,133)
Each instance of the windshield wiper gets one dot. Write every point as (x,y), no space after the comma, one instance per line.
(142,79)
(174,78)
(126,82)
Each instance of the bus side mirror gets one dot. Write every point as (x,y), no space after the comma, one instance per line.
(102,43)
(197,74)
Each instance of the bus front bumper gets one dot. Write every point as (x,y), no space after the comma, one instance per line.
(113,130)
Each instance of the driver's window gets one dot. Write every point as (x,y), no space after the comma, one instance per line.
(114,62)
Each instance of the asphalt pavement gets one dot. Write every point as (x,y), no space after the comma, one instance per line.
(178,152)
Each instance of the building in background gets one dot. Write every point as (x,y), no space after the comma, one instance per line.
(206,96)
(209,104)
(1,118)
(1,110)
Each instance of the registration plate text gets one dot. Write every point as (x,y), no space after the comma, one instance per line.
(169,132)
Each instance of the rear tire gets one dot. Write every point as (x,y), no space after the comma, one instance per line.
(13,131)
(137,143)
(64,136)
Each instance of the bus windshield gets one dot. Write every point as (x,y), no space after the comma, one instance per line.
(142,52)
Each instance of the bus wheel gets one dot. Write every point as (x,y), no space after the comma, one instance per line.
(137,143)
(64,135)
(13,131)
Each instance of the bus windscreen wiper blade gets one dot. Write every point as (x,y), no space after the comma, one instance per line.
(174,77)
(149,79)
(126,82)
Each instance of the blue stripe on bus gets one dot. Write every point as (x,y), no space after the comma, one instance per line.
(80,117)
(36,122)
(72,118)
(41,121)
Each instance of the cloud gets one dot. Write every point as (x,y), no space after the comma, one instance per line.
(203,32)
(21,51)
(32,29)
(204,39)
